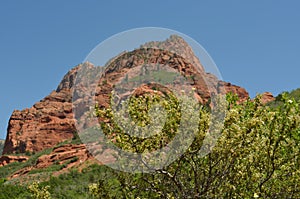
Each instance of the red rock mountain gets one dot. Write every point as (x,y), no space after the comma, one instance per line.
(51,120)
(45,124)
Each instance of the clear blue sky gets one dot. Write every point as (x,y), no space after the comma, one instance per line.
(255,44)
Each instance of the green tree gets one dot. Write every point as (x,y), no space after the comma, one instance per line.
(256,156)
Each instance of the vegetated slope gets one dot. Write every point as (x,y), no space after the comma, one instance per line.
(49,162)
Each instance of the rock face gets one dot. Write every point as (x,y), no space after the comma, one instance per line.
(206,85)
(228,87)
(267,97)
(44,125)
(71,154)
(64,157)
(7,159)
(51,120)
(179,46)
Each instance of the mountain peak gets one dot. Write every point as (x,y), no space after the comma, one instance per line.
(51,120)
(179,46)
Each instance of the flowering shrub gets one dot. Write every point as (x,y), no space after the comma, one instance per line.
(256,156)
(39,192)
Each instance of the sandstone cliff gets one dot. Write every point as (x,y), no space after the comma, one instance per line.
(51,120)
(45,124)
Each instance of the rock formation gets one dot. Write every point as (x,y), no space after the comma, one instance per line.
(64,157)
(267,97)
(51,120)
(68,155)
(45,124)
(7,159)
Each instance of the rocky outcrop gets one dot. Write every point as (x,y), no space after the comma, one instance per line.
(69,155)
(44,125)
(239,91)
(177,45)
(7,159)
(267,97)
(63,157)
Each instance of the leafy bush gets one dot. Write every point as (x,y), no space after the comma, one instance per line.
(38,192)
(293,95)
(257,156)
(139,107)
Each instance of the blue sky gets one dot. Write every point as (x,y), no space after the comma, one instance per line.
(255,44)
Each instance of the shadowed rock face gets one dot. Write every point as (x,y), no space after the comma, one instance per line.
(7,159)
(51,120)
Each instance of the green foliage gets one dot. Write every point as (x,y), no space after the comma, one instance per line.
(279,100)
(8,191)
(103,188)
(295,94)
(9,169)
(76,139)
(51,168)
(257,156)
(39,192)
(138,109)
(161,76)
